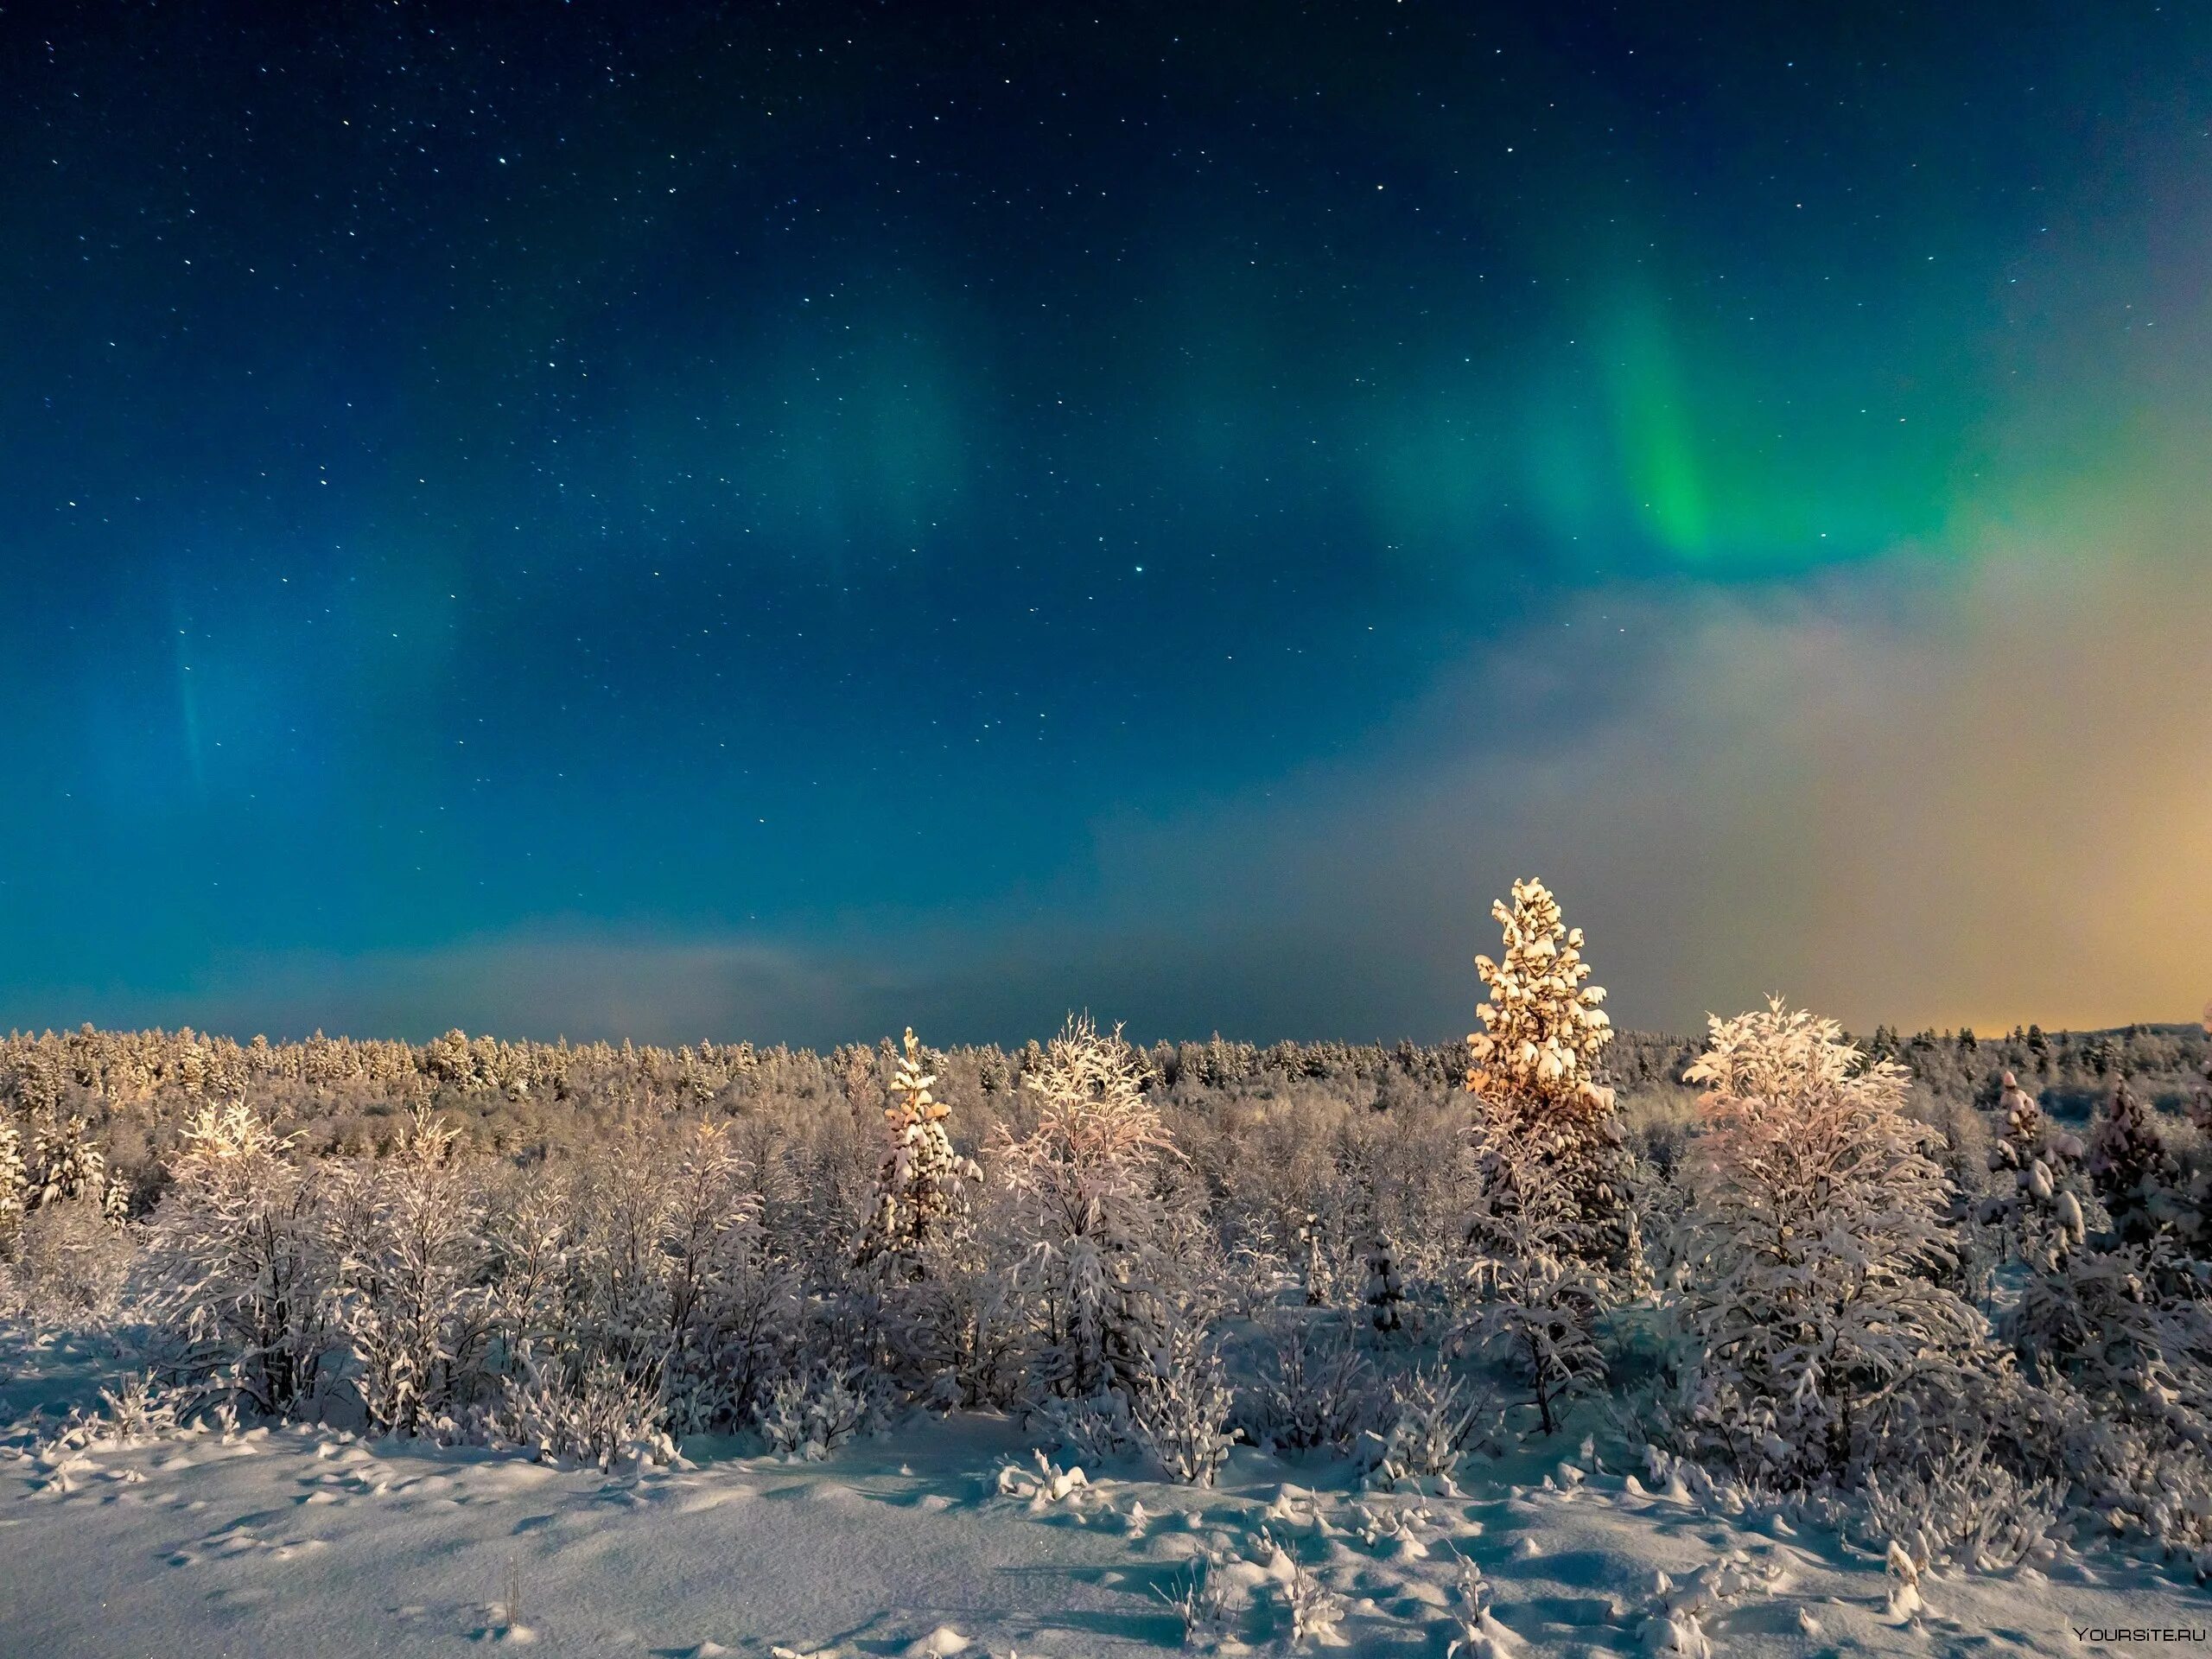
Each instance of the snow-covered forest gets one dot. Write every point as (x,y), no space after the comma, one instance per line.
(1891,1334)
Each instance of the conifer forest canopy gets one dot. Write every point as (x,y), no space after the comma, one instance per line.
(783,522)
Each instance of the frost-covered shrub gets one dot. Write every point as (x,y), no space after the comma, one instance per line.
(1539,1320)
(2144,1477)
(1476,1632)
(1309,1607)
(2127,1325)
(72,1263)
(1205,1601)
(655,1263)
(594,1414)
(1095,1430)
(1433,1417)
(241,1268)
(1311,1389)
(2118,1313)
(1811,1315)
(534,1233)
(2120,1339)
(727,1309)
(138,1409)
(958,1337)
(810,1414)
(1962,1504)
(410,1306)
(1181,1414)
(1538,1299)
(2136,1174)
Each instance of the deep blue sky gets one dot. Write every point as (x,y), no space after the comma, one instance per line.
(776,521)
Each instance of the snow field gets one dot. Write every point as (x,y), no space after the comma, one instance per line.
(951,1535)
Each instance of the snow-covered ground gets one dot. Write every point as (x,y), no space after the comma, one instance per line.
(934,1539)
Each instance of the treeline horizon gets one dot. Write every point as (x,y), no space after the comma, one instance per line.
(134,1090)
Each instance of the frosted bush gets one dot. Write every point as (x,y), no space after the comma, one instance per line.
(138,1409)
(409,1303)
(1538,1297)
(958,1337)
(242,1270)
(72,1264)
(1313,1389)
(1181,1415)
(1086,1208)
(806,1415)
(2141,1476)
(1096,1430)
(725,1309)
(593,1415)
(1963,1506)
(1810,1314)
(1433,1418)
(1310,1608)
(1202,1599)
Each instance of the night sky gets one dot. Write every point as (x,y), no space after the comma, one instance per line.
(785,521)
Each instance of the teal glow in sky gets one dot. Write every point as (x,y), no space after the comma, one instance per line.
(783,522)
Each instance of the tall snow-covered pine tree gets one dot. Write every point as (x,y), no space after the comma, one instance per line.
(1541,1112)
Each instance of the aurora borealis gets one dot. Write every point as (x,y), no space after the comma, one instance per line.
(785,521)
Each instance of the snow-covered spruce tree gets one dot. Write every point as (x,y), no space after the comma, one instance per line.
(955,1323)
(411,1305)
(2135,1174)
(1313,1261)
(1533,1071)
(2126,1323)
(1087,1214)
(2044,1197)
(921,1197)
(115,1199)
(12,1184)
(2122,1319)
(241,1270)
(1385,1294)
(1811,1325)
(65,1167)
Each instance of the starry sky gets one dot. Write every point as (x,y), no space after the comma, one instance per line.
(785,521)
